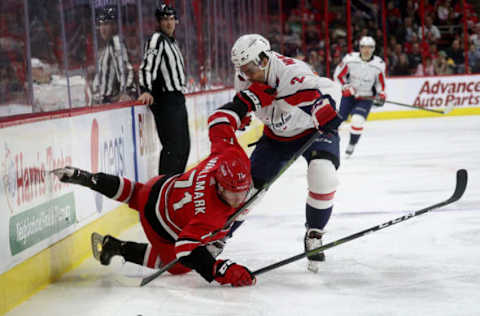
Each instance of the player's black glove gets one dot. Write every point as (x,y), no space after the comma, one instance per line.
(74,175)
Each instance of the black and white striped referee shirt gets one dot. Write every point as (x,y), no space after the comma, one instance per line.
(162,68)
(115,73)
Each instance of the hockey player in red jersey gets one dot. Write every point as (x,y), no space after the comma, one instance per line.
(178,213)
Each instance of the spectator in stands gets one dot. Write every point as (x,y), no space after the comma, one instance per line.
(114,79)
(394,57)
(409,9)
(443,10)
(415,57)
(429,30)
(475,37)
(428,8)
(428,70)
(474,59)
(394,14)
(316,63)
(408,29)
(402,68)
(433,51)
(441,64)
(456,53)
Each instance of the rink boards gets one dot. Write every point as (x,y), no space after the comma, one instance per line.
(47,224)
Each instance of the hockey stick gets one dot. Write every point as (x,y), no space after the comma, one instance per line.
(249,202)
(447,110)
(460,187)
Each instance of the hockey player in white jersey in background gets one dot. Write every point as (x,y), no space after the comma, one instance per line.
(362,76)
(304,103)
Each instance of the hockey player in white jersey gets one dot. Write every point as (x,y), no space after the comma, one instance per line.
(362,76)
(304,103)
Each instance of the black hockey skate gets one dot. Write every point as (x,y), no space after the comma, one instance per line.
(105,247)
(313,240)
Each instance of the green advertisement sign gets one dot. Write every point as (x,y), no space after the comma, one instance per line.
(41,222)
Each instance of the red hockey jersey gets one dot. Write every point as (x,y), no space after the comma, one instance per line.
(187,207)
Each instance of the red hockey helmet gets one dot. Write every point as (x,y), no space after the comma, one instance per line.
(233,172)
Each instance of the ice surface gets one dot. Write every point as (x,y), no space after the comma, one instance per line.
(428,265)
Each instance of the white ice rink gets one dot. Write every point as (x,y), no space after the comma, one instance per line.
(429,265)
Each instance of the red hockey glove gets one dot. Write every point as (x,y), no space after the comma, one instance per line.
(257,96)
(325,118)
(380,99)
(228,272)
(348,91)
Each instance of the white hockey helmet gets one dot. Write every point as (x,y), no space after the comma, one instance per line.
(248,48)
(367,41)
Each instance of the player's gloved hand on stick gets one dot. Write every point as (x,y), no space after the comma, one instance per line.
(380,99)
(228,272)
(257,96)
(348,91)
(325,118)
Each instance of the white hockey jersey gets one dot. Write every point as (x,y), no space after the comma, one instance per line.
(297,88)
(361,75)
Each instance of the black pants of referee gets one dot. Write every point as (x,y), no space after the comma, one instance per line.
(171,119)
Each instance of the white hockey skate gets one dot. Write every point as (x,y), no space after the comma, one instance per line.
(313,240)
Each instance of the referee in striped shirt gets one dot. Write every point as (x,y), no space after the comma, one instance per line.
(162,81)
(114,81)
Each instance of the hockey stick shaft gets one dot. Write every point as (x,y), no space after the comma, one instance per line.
(447,109)
(249,202)
(415,107)
(460,187)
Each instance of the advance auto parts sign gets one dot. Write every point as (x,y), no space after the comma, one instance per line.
(434,92)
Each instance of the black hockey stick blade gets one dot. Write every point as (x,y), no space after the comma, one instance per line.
(460,186)
(232,218)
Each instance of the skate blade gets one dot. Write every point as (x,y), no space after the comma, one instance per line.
(97,242)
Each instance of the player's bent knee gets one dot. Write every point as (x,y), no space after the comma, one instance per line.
(356,124)
(322,183)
